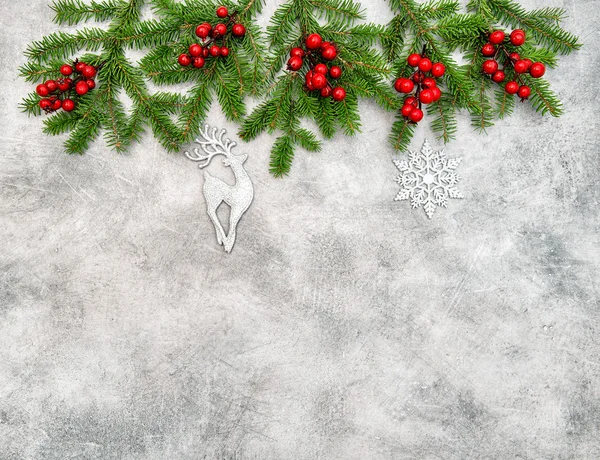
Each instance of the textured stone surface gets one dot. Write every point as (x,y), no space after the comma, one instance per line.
(342,326)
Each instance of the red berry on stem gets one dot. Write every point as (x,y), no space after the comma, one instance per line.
(437,94)
(335,72)
(497,37)
(51,85)
(220,30)
(198,62)
(308,80)
(517,37)
(68,105)
(195,50)
(89,71)
(490,66)
(514,56)
(425,65)
(45,104)
(222,12)
(329,53)
(80,66)
(294,63)
(319,81)
(498,76)
(214,50)
(56,104)
(91,83)
(404,85)
(299,52)
(339,94)
(426,96)
(42,90)
(238,30)
(524,92)
(66,70)
(488,50)
(64,85)
(413,60)
(417,77)
(416,115)
(326,92)
(429,83)
(184,60)
(438,70)
(81,88)
(537,70)
(529,63)
(410,101)
(224,51)
(407,110)
(520,66)
(320,68)
(202,31)
(313,41)
(511,87)
(205,52)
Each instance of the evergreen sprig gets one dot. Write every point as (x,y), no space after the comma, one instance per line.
(287,101)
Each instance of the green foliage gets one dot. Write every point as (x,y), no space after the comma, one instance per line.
(288,101)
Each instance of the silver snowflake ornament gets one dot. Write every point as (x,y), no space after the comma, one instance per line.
(428,179)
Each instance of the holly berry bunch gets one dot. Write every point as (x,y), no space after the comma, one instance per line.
(214,40)
(421,86)
(502,50)
(316,50)
(56,94)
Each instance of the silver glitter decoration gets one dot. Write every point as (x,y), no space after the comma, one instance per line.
(428,179)
(238,196)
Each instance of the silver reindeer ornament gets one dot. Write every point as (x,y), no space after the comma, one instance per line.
(238,196)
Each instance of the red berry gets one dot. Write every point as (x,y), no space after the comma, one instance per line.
(426,96)
(425,65)
(45,104)
(56,104)
(488,50)
(335,72)
(319,81)
(294,63)
(520,66)
(320,68)
(417,77)
(514,56)
(329,53)
(195,50)
(202,31)
(339,94)
(214,50)
(64,85)
(68,105)
(222,12)
(524,92)
(413,60)
(89,71)
(498,76)
(517,37)
(490,66)
(325,45)
(438,69)
(537,70)
(313,41)
(404,85)
(220,30)
(511,87)
(90,83)
(308,80)
(205,52)
(410,101)
(51,85)
(299,52)
(326,92)
(437,94)
(184,60)
(80,66)
(81,88)
(238,30)
(529,63)
(407,110)
(416,115)
(497,37)
(42,90)
(66,70)
(198,62)
(224,51)
(429,83)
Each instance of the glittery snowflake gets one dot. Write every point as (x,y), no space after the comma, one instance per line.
(428,179)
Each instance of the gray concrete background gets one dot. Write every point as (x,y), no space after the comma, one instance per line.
(343,325)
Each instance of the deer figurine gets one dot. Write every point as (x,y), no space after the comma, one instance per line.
(238,196)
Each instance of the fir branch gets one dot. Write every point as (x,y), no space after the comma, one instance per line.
(402,133)
(439,9)
(61,44)
(73,12)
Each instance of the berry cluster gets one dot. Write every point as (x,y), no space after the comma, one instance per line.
(197,53)
(56,94)
(316,76)
(497,50)
(421,86)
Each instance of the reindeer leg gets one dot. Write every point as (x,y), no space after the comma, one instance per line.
(212,213)
(234,217)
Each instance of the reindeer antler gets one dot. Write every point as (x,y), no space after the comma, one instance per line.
(213,145)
